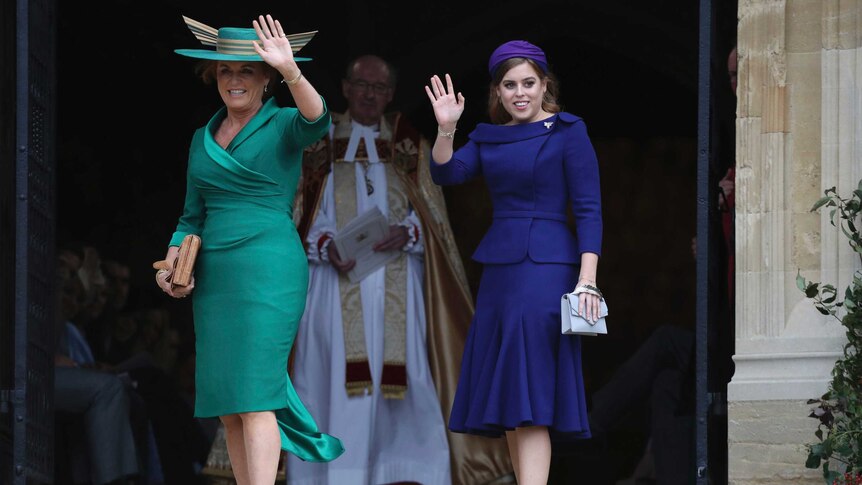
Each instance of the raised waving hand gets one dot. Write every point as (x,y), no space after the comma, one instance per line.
(448,106)
(273,47)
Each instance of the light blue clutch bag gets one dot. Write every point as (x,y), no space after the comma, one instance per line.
(575,324)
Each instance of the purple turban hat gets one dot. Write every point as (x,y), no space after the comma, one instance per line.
(516,48)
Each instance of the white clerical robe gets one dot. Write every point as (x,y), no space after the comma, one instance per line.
(385,440)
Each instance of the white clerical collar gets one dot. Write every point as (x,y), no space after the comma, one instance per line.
(368,133)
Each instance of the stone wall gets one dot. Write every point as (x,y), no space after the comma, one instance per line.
(799,131)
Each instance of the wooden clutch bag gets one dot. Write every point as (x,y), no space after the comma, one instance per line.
(184,265)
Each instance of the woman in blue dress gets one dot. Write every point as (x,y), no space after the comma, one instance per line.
(520,376)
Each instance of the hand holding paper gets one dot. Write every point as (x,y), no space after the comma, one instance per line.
(357,241)
(396,239)
(335,259)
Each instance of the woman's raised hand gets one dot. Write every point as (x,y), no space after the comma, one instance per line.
(273,46)
(448,106)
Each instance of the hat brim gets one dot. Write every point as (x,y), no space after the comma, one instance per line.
(218,56)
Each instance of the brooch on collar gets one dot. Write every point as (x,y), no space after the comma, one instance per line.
(549,124)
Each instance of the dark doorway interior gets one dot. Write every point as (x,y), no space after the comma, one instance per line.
(128,107)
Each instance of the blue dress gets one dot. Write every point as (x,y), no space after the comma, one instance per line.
(518,369)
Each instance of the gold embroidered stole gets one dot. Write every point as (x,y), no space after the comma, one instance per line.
(358,373)
(448,301)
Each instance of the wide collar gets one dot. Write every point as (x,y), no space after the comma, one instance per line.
(490,133)
(266,112)
(243,178)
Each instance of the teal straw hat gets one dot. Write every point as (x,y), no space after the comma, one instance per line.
(234,43)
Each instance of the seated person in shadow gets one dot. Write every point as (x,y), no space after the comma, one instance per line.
(652,391)
(139,346)
(658,377)
(99,438)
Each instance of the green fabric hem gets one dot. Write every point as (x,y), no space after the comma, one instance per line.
(177,238)
(316,120)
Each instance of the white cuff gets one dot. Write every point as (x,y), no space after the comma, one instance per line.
(318,243)
(413,233)
(324,249)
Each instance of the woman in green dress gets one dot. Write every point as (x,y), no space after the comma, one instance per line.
(251,274)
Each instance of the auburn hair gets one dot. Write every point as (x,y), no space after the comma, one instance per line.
(497,113)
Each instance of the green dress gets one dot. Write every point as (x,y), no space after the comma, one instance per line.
(251,275)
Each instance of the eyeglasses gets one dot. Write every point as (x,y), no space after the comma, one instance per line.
(378,88)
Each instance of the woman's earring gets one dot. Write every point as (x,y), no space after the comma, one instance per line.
(265,87)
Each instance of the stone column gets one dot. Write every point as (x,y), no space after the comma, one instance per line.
(799,132)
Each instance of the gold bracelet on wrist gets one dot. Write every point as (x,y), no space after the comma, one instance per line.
(446,134)
(291,82)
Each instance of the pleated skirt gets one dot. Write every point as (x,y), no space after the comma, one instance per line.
(518,369)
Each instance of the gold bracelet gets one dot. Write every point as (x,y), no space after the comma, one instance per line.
(291,82)
(446,134)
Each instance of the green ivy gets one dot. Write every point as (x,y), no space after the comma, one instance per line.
(839,411)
